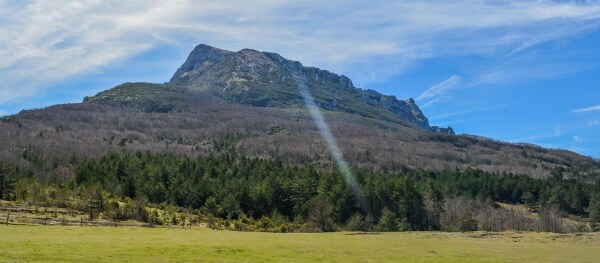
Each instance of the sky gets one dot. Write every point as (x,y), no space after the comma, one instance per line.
(516,71)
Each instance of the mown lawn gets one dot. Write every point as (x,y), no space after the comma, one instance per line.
(138,244)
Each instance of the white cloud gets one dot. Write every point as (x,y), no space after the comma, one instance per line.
(467,111)
(536,66)
(591,123)
(577,138)
(44,42)
(588,109)
(436,93)
(554,33)
(558,131)
(440,88)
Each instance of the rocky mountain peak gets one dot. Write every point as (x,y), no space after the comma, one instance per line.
(269,80)
(201,57)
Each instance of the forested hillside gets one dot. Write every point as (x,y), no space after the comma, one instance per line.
(229,143)
(51,140)
(241,193)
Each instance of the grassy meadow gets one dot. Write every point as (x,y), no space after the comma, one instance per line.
(21,243)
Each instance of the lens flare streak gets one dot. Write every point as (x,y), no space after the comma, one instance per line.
(331,143)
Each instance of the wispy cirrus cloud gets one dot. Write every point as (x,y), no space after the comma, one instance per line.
(44,42)
(440,88)
(533,66)
(558,131)
(438,92)
(467,111)
(588,109)
(554,33)
(591,123)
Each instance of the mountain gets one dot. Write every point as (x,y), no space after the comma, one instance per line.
(263,79)
(268,80)
(248,103)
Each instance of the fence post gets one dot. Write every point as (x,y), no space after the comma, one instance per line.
(81,222)
(7,216)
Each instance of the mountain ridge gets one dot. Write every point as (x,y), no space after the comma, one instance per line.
(269,80)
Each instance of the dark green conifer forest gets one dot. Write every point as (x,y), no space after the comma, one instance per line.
(236,192)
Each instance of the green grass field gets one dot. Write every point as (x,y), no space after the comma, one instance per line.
(138,244)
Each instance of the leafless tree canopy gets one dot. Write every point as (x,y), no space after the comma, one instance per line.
(49,139)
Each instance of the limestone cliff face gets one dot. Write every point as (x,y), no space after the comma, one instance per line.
(268,80)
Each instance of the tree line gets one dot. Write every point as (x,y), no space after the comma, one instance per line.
(238,192)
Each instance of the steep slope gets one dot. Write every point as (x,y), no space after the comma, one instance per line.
(268,80)
(50,140)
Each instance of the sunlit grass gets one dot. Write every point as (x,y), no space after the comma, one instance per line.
(137,244)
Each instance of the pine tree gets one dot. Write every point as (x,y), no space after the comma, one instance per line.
(388,221)
(320,214)
(594,211)
(7,182)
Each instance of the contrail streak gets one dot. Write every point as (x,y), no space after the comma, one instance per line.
(331,143)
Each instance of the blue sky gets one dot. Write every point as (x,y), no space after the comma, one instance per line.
(522,71)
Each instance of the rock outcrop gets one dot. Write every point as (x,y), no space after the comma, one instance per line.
(269,80)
